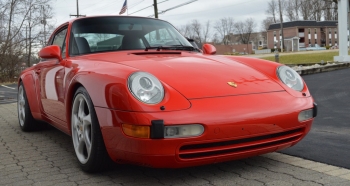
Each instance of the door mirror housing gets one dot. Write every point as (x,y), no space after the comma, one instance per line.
(52,51)
(209,49)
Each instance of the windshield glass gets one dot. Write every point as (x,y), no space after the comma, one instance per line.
(101,34)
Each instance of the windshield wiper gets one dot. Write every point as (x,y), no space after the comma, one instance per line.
(172,47)
(157,47)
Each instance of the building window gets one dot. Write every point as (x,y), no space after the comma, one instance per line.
(315,36)
(309,31)
(335,33)
(330,31)
(274,33)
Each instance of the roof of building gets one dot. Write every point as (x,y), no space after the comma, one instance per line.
(303,24)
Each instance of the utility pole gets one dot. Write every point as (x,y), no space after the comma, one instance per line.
(281,20)
(77,15)
(155,9)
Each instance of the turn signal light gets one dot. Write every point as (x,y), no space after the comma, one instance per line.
(136,131)
(183,131)
(305,115)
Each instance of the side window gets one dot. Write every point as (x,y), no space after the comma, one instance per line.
(60,40)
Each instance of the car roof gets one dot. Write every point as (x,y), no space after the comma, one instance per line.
(97,16)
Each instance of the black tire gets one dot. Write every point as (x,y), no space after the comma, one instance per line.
(86,129)
(25,117)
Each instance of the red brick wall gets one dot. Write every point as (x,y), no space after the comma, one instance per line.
(224,49)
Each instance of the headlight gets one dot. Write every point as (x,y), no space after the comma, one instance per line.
(290,77)
(146,88)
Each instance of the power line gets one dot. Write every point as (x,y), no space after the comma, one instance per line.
(211,9)
(149,7)
(180,5)
(135,4)
(95,9)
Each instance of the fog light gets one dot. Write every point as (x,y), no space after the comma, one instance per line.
(305,115)
(136,131)
(182,131)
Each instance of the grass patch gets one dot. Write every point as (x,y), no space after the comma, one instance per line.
(305,58)
(8,83)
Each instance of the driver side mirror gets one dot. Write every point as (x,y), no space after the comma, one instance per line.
(52,51)
(209,49)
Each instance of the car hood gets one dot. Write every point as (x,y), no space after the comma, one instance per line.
(199,76)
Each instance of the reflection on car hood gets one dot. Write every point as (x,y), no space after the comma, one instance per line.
(199,76)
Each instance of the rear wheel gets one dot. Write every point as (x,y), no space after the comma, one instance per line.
(25,118)
(86,134)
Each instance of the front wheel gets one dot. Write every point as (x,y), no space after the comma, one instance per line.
(86,134)
(25,118)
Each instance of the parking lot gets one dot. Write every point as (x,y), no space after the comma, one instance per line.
(46,158)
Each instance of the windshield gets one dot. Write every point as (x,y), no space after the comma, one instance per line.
(101,34)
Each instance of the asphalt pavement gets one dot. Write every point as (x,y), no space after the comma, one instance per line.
(329,139)
(8,93)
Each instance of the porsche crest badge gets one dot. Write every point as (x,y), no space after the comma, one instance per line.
(232,84)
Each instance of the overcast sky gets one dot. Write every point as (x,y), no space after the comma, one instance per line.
(202,10)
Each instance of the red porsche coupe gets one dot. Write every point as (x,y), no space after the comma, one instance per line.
(134,90)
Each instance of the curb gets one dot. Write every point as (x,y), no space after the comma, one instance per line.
(324,69)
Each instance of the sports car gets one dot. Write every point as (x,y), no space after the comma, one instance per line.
(134,90)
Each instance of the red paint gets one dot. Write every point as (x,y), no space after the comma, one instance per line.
(52,51)
(196,92)
(209,49)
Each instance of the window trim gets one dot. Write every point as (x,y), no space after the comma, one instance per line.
(64,40)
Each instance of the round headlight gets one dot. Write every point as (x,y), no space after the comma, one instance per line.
(290,77)
(146,88)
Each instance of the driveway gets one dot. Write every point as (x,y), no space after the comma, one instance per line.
(329,139)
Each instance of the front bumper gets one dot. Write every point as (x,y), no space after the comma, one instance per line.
(235,127)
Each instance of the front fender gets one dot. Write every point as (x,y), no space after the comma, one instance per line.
(269,69)
(29,84)
(107,88)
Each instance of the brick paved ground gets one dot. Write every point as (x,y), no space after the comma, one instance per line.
(47,158)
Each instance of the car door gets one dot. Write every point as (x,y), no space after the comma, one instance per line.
(50,75)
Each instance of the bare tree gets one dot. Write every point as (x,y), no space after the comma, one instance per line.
(291,9)
(244,29)
(206,31)
(216,39)
(330,10)
(186,30)
(272,10)
(266,24)
(224,28)
(19,21)
(318,8)
(197,30)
